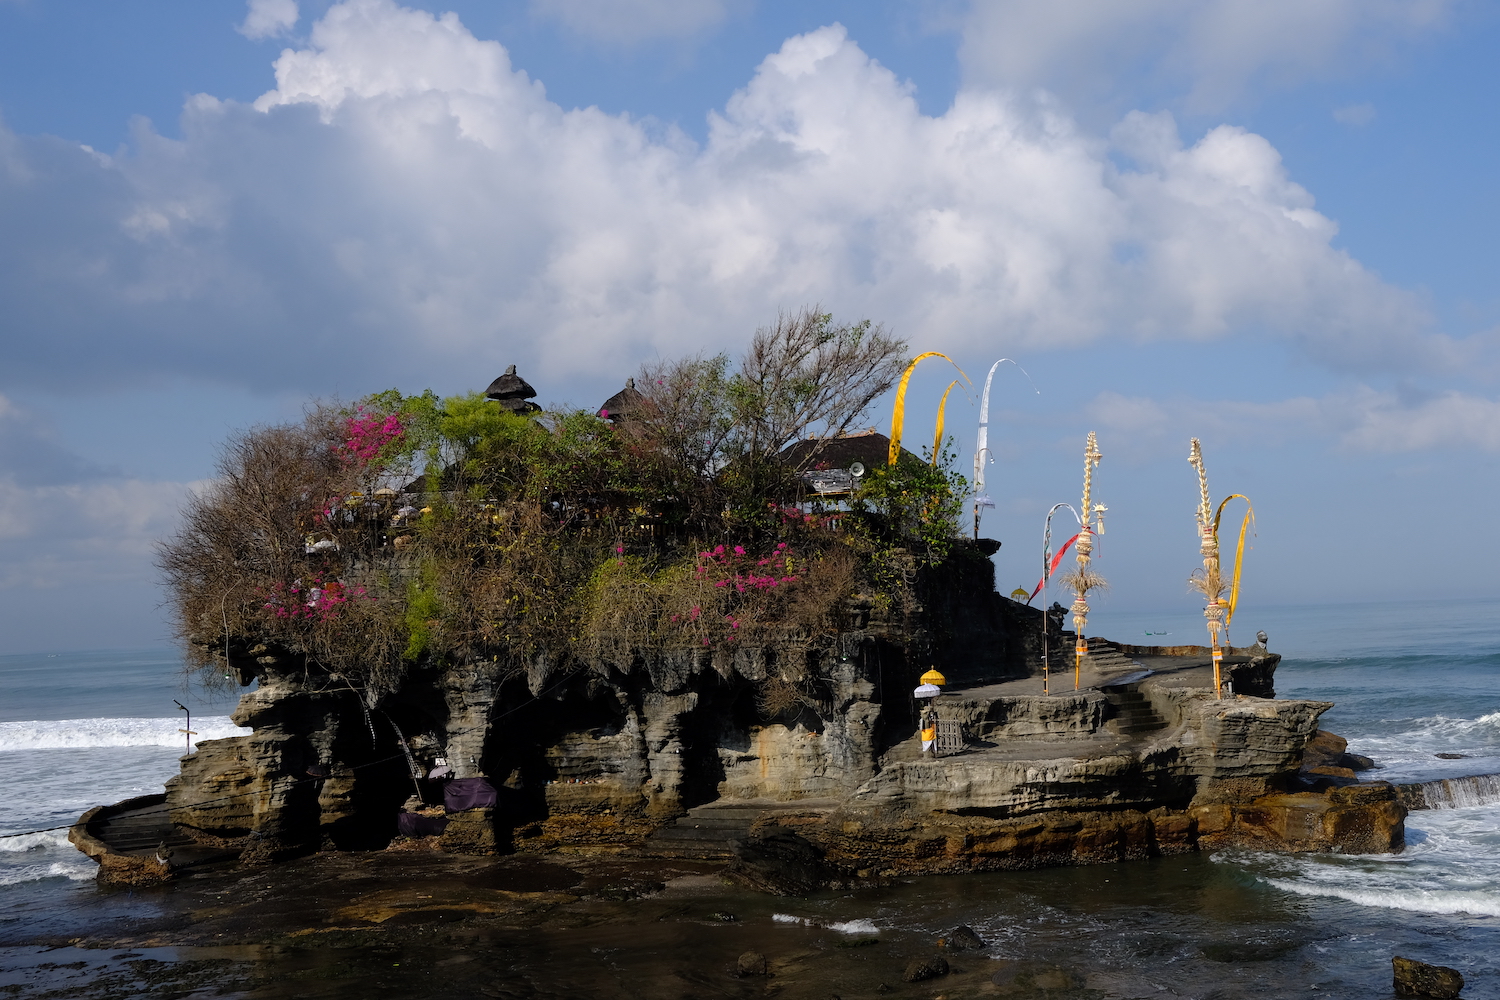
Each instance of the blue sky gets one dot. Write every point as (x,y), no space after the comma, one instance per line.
(1266,224)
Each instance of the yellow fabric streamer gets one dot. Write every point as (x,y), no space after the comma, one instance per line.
(1239,551)
(937,437)
(898,413)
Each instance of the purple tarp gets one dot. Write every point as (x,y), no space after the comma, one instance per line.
(468,793)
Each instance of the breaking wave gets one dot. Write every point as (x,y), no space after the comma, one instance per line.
(1476,902)
(1458,793)
(33,842)
(82,733)
(76,871)
(1439,732)
(842,926)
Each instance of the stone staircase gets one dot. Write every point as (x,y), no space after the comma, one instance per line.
(141,831)
(709,831)
(1130,712)
(1104,656)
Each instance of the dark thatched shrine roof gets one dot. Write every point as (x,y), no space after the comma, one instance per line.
(510,386)
(624,404)
(520,407)
(871,449)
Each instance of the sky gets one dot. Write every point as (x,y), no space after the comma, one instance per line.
(1268,224)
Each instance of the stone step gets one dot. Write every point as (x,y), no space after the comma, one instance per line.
(1131,713)
(734,810)
(709,831)
(701,831)
(1103,655)
(1132,729)
(141,831)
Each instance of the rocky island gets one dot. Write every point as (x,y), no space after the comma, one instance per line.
(689,624)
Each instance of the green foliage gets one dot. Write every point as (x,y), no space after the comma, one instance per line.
(913,504)
(560,534)
(422,609)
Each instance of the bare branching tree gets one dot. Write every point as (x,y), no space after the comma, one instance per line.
(718,432)
(806,375)
(687,416)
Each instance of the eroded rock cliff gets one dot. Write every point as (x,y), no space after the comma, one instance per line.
(599,758)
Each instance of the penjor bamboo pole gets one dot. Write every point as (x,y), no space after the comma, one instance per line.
(1082,550)
(1209,549)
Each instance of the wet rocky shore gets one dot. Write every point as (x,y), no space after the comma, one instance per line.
(420,923)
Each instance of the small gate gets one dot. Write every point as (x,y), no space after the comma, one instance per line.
(950,738)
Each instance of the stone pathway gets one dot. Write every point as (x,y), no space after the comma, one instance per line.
(708,831)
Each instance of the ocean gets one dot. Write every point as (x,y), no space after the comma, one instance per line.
(79,730)
(1409,681)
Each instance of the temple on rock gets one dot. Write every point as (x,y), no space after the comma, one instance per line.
(612,630)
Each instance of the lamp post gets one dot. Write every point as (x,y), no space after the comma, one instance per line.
(188,732)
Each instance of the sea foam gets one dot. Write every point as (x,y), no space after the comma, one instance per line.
(841,926)
(77,871)
(34,842)
(81,733)
(1476,902)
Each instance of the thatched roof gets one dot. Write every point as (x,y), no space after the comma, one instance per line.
(871,449)
(824,465)
(520,407)
(510,386)
(624,404)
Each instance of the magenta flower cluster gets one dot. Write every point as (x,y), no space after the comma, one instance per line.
(319,601)
(793,515)
(734,568)
(369,434)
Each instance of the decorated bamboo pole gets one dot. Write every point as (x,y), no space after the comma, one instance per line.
(982,454)
(1209,581)
(1083,578)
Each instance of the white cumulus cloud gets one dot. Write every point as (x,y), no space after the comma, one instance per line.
(406,202)
(267,18)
